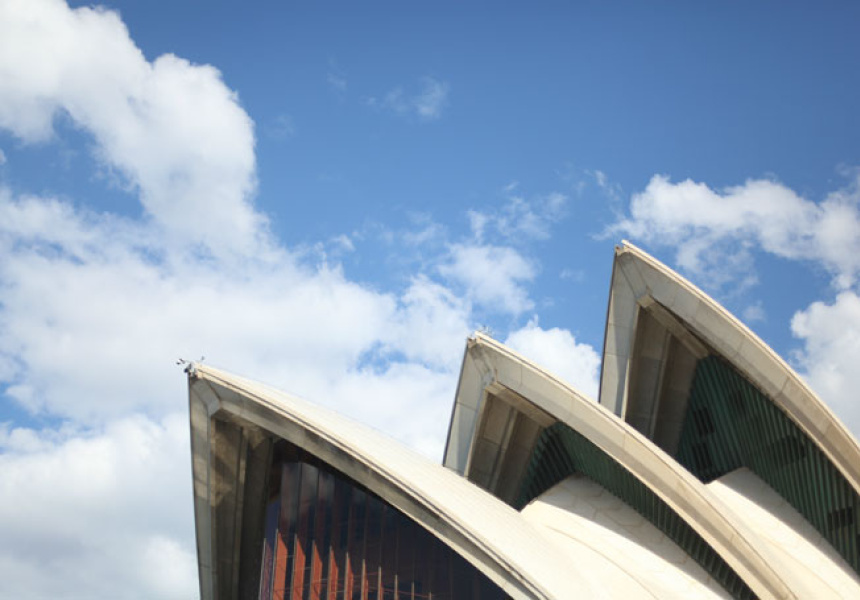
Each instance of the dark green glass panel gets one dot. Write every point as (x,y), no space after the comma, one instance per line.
(748,430)
(560,452)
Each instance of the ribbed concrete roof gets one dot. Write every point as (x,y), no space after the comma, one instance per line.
(637,275)
(641,282)
(685,494)
(494,537)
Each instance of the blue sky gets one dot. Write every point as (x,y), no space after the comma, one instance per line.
(330,198)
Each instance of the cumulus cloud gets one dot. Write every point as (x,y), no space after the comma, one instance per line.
(95,307)
(715,231)
(716,234)
(79,506)
(405,399)
(830,332)
(172,129)
(493,276)
(558,351)
(91,320)
(432,324)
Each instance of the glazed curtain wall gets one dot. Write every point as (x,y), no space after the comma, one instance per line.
(560,452)
(731,424)
(328,538)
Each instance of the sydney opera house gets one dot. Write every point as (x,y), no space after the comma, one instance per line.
(706,468)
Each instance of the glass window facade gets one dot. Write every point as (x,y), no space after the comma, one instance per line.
(560,452)
(328,538)
(731,424)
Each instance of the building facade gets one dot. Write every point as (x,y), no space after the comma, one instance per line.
(706,468)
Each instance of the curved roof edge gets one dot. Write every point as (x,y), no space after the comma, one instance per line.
(495,538)
(657,470)
(475,374)
(649,278)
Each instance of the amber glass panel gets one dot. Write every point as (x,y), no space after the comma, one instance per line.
(328,538)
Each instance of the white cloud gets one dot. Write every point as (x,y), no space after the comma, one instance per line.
(343,243)
(407,400)
(281,127)
(520,219)
(494,276)
(715,231)
(91,324)
(2,157)
(335,77)
(610,189)
(558,351)
(831,344)
(79,507)
(84,307)
(427,103)
(754,312)
(478,223)
(432,98)
(336,81)
(171,128)
(96,307)
(574,275)
(427,232)
(432,325)
(92,320)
